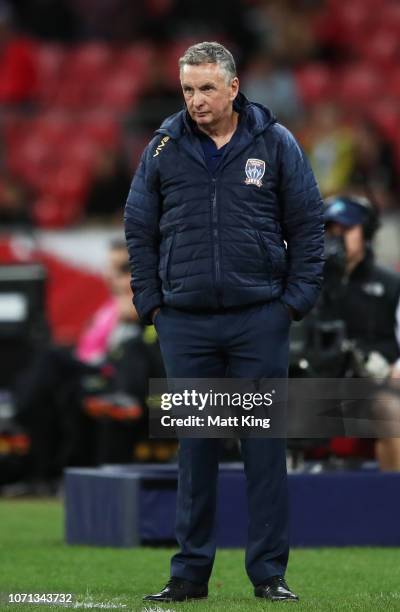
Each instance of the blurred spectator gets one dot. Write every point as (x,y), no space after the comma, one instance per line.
(283,29)
(275,87)
(355,156)
(329,143)
(14,211)
(108,374)
(17,64)
(117,389)
(92,345)
(374,169)
(110,186)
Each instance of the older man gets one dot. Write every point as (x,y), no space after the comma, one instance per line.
(225,236)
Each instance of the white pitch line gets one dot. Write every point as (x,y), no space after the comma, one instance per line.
(103,605)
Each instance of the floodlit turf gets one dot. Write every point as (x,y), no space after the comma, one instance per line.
(34,558)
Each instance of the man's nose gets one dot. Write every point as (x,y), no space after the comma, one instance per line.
(198,99)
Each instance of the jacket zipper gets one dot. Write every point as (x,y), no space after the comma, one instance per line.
(214,217)
(197,155)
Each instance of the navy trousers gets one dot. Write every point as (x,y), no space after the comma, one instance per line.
(251,342)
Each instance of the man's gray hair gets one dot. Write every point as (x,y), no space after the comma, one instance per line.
(209,53)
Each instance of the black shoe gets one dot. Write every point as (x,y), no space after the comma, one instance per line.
(178,589)
(275,589)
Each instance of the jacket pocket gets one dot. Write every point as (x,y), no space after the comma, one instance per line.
(264,251)
(168,261)
(275,255)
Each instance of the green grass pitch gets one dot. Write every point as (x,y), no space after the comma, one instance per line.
(34,558)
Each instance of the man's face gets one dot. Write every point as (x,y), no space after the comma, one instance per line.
(353,239)
(208,93)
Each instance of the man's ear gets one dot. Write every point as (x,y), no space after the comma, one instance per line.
(234,88)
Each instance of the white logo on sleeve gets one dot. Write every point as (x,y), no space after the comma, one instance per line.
(255,170)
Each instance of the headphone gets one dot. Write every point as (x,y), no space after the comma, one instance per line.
(371,222)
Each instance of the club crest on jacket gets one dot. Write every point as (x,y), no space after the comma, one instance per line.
(255,169)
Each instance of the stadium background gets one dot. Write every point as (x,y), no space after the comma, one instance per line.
(83,84)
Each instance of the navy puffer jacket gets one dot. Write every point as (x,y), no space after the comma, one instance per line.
(252,233)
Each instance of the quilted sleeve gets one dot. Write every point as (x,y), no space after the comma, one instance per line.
(303,226)
(141,219)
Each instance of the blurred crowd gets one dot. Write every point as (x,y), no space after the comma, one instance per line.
(83,404)
(83,85)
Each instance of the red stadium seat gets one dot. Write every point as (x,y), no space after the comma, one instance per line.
(62,197)
(53,212)
(359,84)
(120,92)
(389,16)
(345,25)
(84,70)
(30,158)
(75,94)
(171,56)
(386,115)
(53,127)
(381,48)
(314,82)
(135,62)
(51,59)
(89,60)
(354,16)
(100,128)
(79,150)
(13,128)
(393,84)
(47,212)
(70,183)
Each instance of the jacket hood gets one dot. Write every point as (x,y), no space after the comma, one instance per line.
(256,117)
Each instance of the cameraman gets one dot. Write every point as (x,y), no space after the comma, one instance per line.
(366,298)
